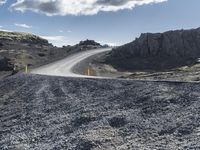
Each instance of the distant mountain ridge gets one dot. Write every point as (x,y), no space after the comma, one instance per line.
(158,50)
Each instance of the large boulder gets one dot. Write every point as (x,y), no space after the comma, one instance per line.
(5,65)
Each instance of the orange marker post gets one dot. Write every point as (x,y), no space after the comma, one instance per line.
(88,71)
(26,69)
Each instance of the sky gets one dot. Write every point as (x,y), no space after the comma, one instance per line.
(114,22)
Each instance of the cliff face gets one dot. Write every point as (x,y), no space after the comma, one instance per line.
(159,50)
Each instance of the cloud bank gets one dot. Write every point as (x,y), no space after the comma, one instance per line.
(23,25)
(77,7)
(56,40)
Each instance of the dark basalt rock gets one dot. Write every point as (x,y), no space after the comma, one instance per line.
(117,122)
(89,42)
(85,145)
(5,65)
(158,51)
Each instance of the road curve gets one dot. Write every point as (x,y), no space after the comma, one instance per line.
(64,67)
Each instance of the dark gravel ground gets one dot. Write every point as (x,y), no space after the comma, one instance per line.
(52,113)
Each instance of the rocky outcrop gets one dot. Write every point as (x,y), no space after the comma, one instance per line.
(159,50)
(89,42)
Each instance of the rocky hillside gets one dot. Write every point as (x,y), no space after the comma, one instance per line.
(17,37)
(20,49)
(158,51)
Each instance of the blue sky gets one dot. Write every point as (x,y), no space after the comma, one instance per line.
(113,22)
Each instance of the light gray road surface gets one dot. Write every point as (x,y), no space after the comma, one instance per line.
(64,67)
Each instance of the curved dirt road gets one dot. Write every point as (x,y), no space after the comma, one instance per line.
(64,67)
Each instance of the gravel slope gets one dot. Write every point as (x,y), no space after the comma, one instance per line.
(41,112)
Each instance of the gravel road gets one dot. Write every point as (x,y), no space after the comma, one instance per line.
(52,113)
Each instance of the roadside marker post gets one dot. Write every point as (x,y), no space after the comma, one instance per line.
(26,69)
(88,71)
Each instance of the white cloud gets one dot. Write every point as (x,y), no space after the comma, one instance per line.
(56,40)
(108,43)
(112,44)
(2,28)
(53,38)
(5,30)
(77,7)
(23,25)
(61,31)
(2,2)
